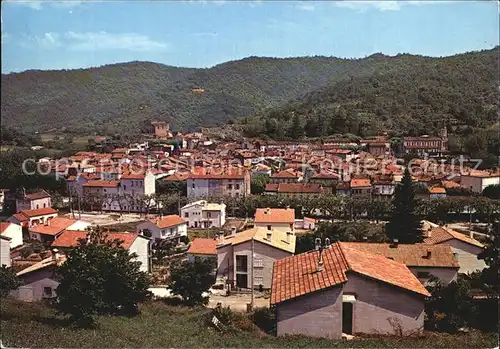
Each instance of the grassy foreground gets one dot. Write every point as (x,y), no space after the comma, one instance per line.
(161,325)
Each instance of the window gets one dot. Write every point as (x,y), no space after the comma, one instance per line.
(193,186)
(104,190)
(268,227)
(124,187)
(423,274)
(209,214)
(186,214)
(163,233)
(37,206)
(44,205)
(455,255)
(229,186)
(237,186)
(47,292)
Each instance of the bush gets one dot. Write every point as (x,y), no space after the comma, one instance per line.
(265,319)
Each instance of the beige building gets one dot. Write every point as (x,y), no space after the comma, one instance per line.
(247,258)
(282,219)
(202,214)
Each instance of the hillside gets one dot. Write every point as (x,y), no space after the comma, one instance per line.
(119,97)
(406,95)
(34,325)
(361,96)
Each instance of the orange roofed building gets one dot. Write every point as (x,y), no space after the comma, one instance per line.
(282,219)
(347,290)
(172,227)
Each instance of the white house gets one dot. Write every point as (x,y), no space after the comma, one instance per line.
(12,231)
(30,218)
(478,180)
(282,219)
(465,248)
(53,227)
(135,243)
(168,227)
(202,214)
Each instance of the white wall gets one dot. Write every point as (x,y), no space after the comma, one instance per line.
(15,233)
(284,227)
(4,252)
(79,225)
(141,248)
(466,255)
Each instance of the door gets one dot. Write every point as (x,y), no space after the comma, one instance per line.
(241,280)
(347,318)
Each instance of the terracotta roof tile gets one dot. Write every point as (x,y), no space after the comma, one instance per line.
(4,226)
(102,184)
(441,234)
(203,246)
(70,238)
(298,275)
(38,212)
(168,221)
(275,215)
(411,255)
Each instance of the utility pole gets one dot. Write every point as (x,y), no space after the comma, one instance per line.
(251,282)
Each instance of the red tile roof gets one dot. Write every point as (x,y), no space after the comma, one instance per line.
(38,195)
(275,215)
(54,226)
(298,275)
(415,255)
(69,238)
(439,235)
(176,177)
(218,173)
(102,184)
(37,212)
(299,188)
(168,221)
(437,190)
(286,174)
(356,183)
(203,246)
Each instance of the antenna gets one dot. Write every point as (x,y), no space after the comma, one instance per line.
(327,242)
(317,244)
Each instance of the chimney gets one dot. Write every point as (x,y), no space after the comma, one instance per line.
(327,242)
(288,237)
(233,231)
(268,210)
(287,207)
(394,243)
(429,233)
(428,255)
(269,235)
(471,234)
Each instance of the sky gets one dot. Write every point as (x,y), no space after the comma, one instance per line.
(79,34)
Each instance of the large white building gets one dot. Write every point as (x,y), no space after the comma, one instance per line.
(202,214)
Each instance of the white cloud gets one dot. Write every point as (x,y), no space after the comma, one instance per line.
(98,41)
(38,5)
(389,5)
(94,41)
(306,7)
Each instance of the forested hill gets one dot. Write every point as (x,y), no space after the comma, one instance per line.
(404,95)
(119,97)
(362,96)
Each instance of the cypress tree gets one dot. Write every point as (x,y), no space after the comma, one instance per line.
(404,224)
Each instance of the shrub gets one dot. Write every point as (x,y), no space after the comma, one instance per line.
(265,319)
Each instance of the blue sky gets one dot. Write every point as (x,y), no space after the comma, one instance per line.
(76,34)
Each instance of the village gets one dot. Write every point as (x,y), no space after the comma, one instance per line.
(258,209)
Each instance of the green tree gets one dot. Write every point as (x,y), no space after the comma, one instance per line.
(296,130)
(100,277)
(8,281)
(404,225)
(492,191)
(258,183)
(450,307)
(191,279)
(490,276)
